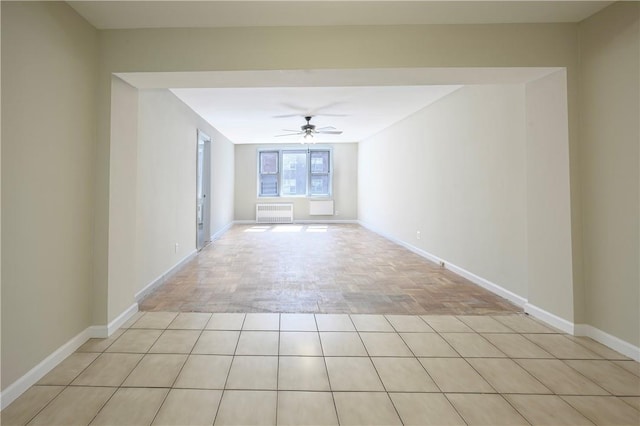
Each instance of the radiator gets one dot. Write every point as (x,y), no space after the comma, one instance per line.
(321,208)
(274,213)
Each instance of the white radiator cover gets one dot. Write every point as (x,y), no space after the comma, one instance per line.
(320,207)
(274,213)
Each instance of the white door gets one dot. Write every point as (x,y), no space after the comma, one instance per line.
(203,185)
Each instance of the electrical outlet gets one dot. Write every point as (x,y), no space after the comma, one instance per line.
(176,247)
(418,235)
(442,264)
(337,213)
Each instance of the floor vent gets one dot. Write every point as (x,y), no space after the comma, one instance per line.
(274,213)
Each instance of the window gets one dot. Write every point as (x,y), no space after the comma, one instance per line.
(294,173)
(268,173)
(320,179)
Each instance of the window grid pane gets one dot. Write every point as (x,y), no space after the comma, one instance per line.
(303,173)
(294,173)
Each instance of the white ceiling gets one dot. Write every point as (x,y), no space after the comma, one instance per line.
(252,115)
(241,13)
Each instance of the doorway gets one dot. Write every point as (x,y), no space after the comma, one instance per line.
(203,186)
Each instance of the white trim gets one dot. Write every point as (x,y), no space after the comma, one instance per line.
(18,387)
(615,343)
(492,287)
(302,221)
(222,230)
(549,318)
(306,221)
(120,319)
(163,277)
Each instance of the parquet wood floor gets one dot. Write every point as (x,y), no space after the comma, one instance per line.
(337,268)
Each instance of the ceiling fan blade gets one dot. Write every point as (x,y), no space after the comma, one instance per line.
(325,128)
(286,116)
(330,132)
(292,131)
(289,134)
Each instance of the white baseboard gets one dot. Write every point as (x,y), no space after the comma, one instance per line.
(325,221)
(120,319)
(162,278)
(301,221)
(492,287)
(32,377)
(551,319)
(222,230)
(615,343)
(18,387)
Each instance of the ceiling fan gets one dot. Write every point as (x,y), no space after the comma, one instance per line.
(309,130)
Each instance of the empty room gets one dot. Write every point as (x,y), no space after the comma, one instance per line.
(320,212)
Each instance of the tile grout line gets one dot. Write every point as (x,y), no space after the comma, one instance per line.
(278,366)
(181,368)
(224,387)
(68,385)
(376,369)
(425,370)
(326,369)
(127,376)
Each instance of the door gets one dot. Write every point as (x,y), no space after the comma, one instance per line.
(203,185)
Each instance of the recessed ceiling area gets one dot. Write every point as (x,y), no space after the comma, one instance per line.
(248,106)
(258,115)
(209,14)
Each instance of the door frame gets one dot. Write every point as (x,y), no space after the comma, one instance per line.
(203,186)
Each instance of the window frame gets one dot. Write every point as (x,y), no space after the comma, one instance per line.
(293,149)
(277,173)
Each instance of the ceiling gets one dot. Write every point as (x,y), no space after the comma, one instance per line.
(241,13)
(254,115)
(247,106)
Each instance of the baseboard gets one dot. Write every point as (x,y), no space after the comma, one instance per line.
(18,387)
(551,319)
(301,221)
(120,319)
(324,221)
(222,230)
(486,284)
(492,287)
(162,278)
(615,343)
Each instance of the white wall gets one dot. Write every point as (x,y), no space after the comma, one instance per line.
(455,171)
(166,175)
(49,73)
(609,167)
(345,187)
(549,248)
(122,254)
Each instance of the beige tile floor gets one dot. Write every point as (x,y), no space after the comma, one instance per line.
(166,368)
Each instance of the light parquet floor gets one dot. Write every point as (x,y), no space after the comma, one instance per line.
(337,268)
